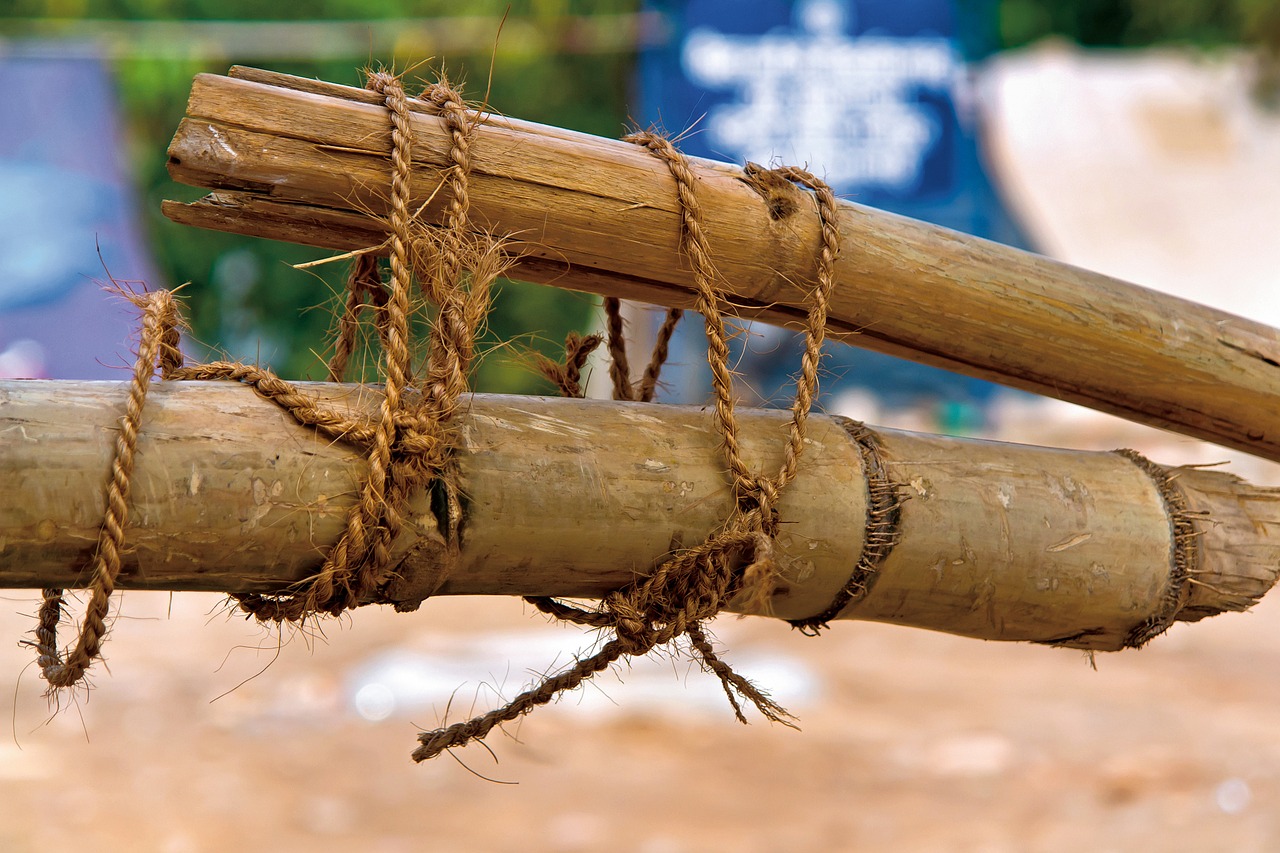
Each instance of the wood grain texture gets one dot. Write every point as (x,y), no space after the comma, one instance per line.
(306,161)
(576,498)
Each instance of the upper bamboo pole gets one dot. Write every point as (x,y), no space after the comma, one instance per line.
(577,498)
(308,162)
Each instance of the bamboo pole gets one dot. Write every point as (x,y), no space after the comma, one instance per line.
(306,161)
(575,498)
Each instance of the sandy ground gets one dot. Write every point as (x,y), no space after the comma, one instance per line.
(911,740)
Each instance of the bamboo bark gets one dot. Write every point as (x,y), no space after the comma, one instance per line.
(575,498)
(308,162)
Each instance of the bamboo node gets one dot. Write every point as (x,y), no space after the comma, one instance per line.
(883,529)
(1184,549)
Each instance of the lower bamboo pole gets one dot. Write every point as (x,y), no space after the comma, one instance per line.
(575,498)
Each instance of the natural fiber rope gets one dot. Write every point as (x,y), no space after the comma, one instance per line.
(354,567)
(883,529)
(693,585)
(409,443)
(619,365)
(1184,553)
(364,282)
(159,346)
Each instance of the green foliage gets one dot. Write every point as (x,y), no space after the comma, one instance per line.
(1136,23)
(245,298)
(322,10)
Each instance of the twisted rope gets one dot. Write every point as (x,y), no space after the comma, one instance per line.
(353,567)
(409,443)
(159,346)
(693,585)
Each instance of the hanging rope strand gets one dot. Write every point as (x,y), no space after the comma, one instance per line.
(816,319)
(695,584)
(158,346)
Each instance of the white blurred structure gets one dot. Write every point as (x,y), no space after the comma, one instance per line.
(1152,166)
(23,359)
(1155,167)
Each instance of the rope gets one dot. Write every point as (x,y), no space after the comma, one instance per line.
(159,346)
(409,443)
(691,586)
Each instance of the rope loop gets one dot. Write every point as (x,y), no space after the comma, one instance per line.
(157,348)
(737,564)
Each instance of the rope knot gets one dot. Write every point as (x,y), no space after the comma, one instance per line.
(632,626)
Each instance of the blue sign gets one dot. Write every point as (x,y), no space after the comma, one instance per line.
(68,221)
(871,95)
(872,110)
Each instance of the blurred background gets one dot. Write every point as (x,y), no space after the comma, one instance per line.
(1139,138)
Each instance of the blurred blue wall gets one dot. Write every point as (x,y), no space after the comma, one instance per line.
(64,198)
